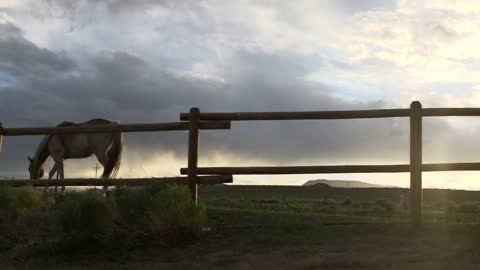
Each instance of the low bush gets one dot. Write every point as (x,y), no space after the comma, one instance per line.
(347,201)
(174,215)
(88,219)
(469,208)
(130,205)
(26,200)
(6,195)
(385,205)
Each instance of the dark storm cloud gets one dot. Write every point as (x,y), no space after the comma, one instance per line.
(22,58)
(50,87)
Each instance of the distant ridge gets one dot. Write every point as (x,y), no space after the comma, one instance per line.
(343,184)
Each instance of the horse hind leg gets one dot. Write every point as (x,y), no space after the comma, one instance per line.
(103,159)
(62,187)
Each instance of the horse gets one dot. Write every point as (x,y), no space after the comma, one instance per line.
(107,147)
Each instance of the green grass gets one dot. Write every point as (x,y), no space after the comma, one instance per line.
(292,193)
(43,223)
(267,228)
(449,206)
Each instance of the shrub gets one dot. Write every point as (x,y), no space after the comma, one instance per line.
(451,207)
(26,200)
(269,201)
(469,208)
(328,201)
(329,209)
(130,205)
(85,216)
(174,214)
(347,201)
(160,210)
(385,205)
(6,194)
(245,204)
(451,212)
(154,188)
(88,220)
(174,206)
(438,205)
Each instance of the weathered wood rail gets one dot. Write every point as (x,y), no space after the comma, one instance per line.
(333,115)
(75,182)
(313,115)
(175,126)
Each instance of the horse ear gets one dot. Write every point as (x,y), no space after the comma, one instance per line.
(30,159)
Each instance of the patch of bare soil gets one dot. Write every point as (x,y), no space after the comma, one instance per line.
(369,246)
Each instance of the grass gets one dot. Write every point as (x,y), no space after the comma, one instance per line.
(353,229)
(36,222)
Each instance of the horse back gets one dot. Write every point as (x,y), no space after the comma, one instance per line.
(83,145)
(98,121)
(91,122)
(66,124)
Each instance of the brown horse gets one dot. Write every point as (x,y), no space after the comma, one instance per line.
(107,147)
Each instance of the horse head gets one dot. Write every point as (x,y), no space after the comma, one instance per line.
(36,170)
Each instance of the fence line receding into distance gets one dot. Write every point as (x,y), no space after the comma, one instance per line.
(415,167)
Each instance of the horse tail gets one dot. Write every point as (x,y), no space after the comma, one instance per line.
(114,156)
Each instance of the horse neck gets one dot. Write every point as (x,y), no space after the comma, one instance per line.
(42,152)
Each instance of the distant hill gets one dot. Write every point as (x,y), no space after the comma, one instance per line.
(343,184)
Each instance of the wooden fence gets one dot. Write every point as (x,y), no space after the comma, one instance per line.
(208,121)
(415,167)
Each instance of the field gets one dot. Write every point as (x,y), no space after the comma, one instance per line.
(264,227)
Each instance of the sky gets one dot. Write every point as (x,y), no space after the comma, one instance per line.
(148,61)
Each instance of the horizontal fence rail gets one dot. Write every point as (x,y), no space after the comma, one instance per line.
(174,126)
(312,115)
(212,179)
(302,169)
(429,112)
(443,167)
(334,169)
(319,115)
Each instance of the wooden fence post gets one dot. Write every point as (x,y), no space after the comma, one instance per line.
(193,137)
(416,163)
(1,137)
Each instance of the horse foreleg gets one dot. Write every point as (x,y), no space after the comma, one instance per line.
(51,173)
(62,176)
(58,168)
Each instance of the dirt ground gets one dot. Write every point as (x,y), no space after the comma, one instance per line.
(292,245)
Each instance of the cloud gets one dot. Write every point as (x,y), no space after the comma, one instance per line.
(353,7)
(123,86)
(147,61)
(22,58)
